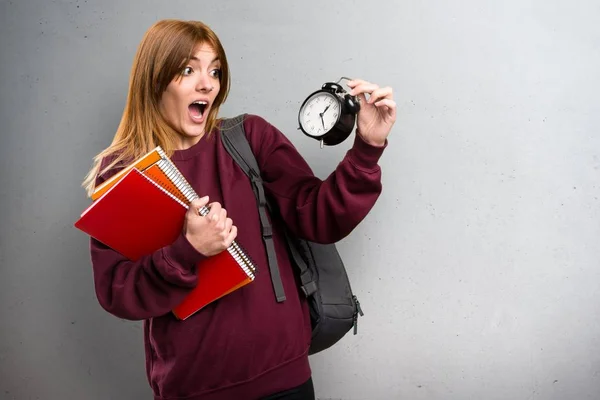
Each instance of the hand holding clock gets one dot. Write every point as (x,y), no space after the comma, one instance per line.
(377,114)
(374,118)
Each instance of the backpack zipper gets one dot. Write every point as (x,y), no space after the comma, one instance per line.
(357,311)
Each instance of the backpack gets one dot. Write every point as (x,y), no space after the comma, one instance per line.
(334,309)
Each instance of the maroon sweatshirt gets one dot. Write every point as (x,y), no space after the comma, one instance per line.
(245,345)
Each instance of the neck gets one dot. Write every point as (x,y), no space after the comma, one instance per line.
(185,142)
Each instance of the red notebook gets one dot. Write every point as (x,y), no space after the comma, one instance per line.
(136,217)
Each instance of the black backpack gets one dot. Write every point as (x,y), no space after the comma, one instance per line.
(334,309)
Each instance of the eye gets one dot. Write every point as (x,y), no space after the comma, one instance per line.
(215,73)
(187,71)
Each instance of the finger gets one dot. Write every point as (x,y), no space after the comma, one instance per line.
(222,216)
(362,99)
(201,202)
(381,93)
(355,82)
(197,204)
(388,105)
(215,210)
(386,102)
(231,236)
(228,224)
(364,88)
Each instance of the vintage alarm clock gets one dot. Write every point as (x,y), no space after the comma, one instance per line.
(329,114)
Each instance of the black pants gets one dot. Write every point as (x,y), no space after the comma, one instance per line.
(305,391)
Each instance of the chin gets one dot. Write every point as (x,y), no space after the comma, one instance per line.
(193,133)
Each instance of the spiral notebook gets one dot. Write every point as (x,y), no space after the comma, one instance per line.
(119,219)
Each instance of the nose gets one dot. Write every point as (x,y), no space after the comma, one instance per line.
(204,83)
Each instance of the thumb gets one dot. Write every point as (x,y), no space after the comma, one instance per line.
(197,204)
(362,101)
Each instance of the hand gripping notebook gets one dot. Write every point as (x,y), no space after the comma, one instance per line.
(121,220)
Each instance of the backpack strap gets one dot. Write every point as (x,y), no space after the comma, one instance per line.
(234,139)
(309,283)
(235,142)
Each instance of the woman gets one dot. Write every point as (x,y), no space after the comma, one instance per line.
(245,345)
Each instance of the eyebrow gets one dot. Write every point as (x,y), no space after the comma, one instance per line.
(197,59)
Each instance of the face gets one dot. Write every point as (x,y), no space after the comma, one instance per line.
(186,102)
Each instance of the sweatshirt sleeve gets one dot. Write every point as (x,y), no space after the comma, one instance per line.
(323,211)
(148,287)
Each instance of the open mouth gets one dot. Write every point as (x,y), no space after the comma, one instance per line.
(197,109)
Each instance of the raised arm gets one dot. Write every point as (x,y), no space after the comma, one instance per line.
(327,210)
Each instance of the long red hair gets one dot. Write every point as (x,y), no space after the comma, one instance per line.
(163,53)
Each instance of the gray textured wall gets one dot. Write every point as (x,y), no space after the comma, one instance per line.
(478,269)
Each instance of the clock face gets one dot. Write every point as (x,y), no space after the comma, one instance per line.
(319,113)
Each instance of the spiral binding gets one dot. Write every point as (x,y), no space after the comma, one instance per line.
(171,195)
(173,174)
